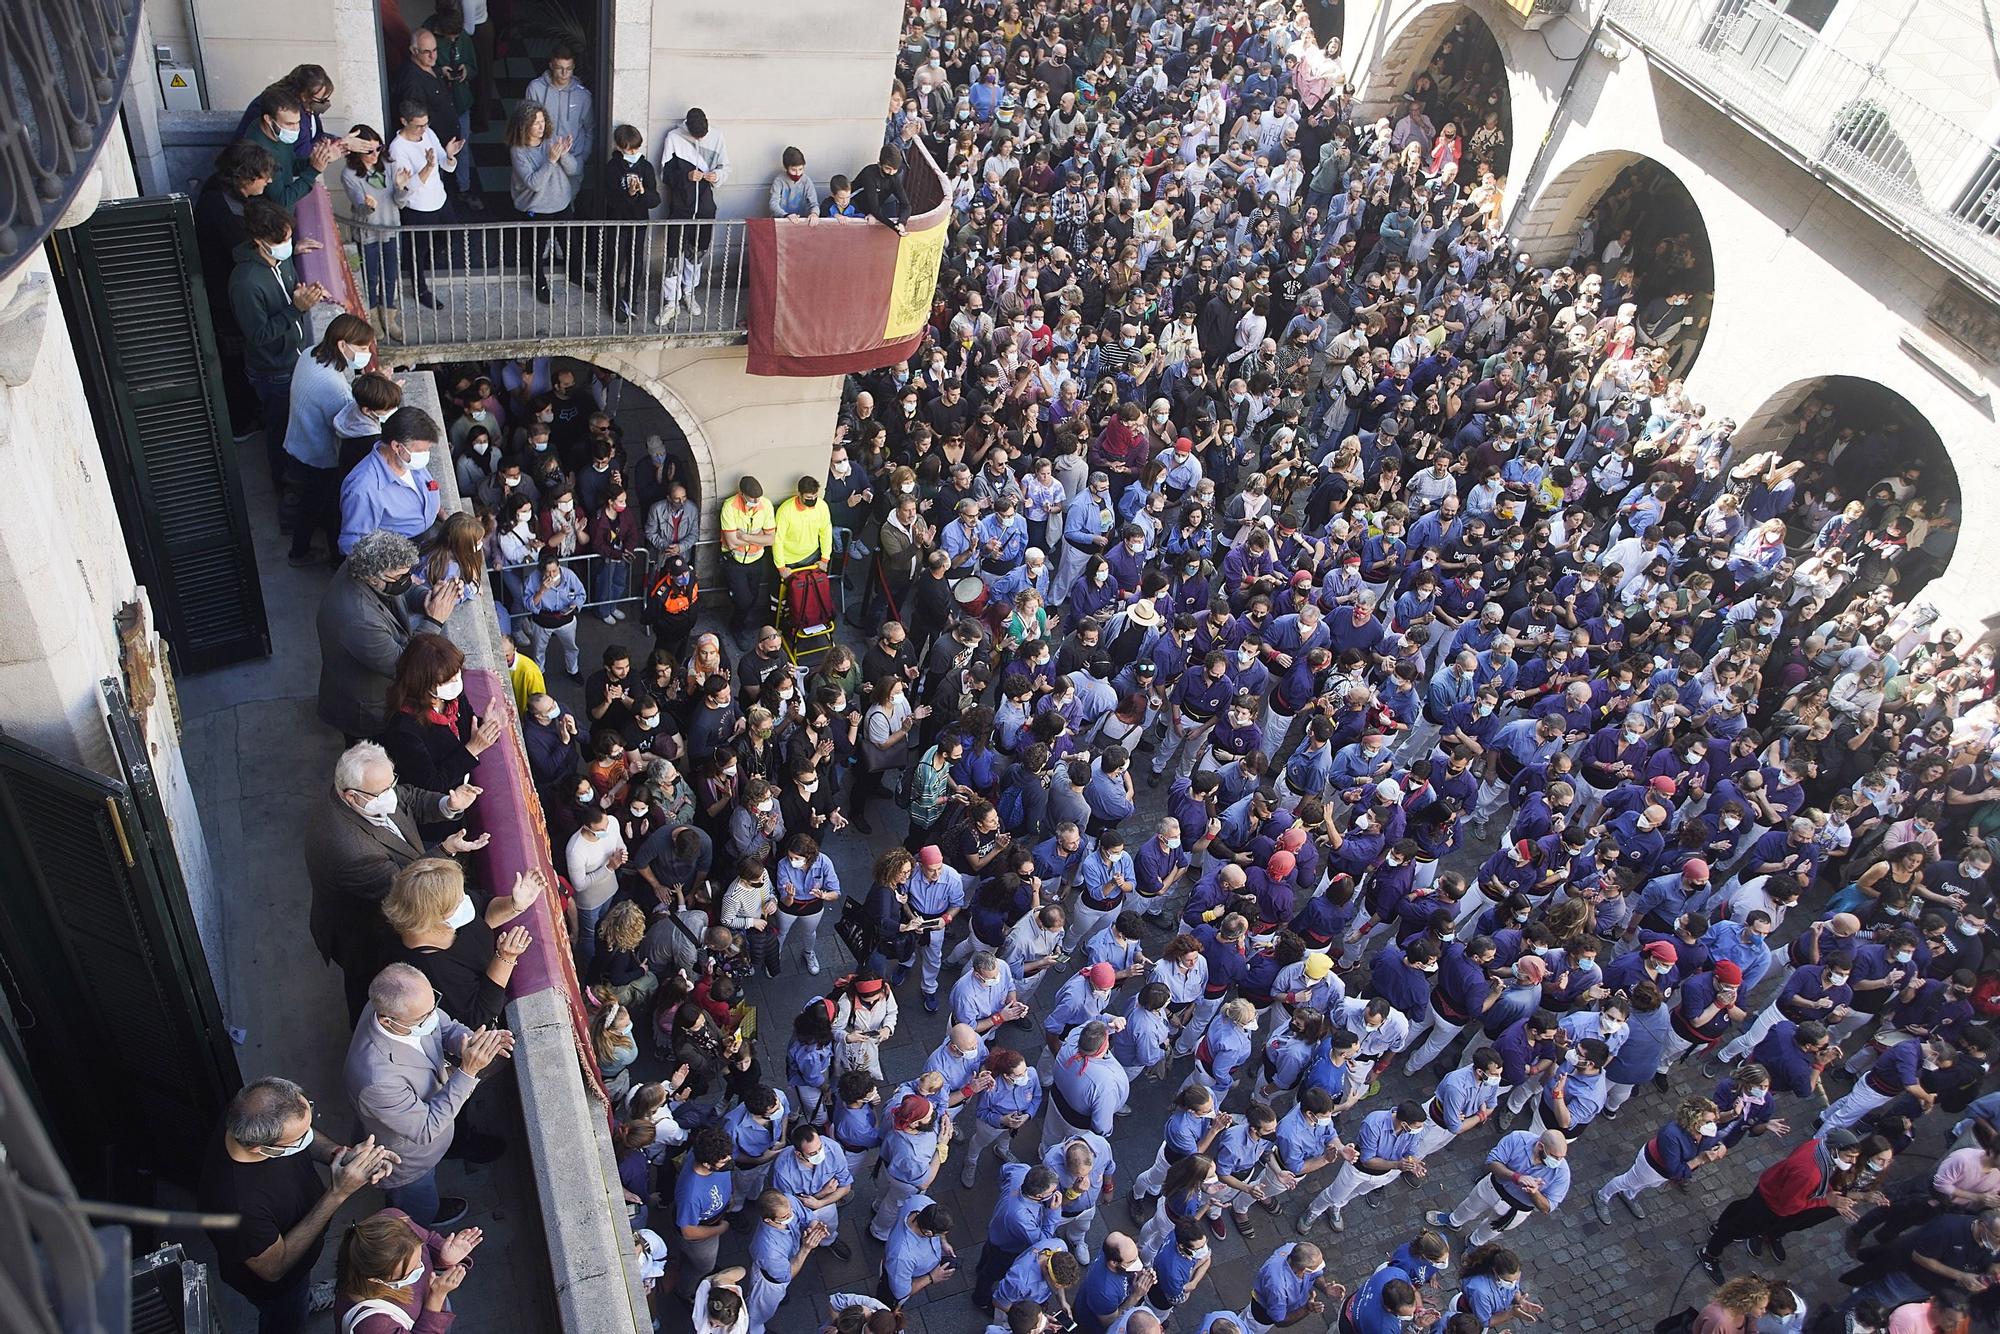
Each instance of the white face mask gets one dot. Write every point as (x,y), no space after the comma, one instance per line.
(419,459)
(409,1280)
(451,689)
(287,1150)
(1709,1130)
(358,360)
(462,914)
(381,804)
(428,1026)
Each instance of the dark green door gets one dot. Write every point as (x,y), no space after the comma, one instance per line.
(132,292)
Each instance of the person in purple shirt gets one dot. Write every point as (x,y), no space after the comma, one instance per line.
(1403,976)
(1160,864)
(1794,1054)
(1899,1070)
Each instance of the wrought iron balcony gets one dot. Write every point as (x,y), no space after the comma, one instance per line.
(521,288)
(63,65)
(1916,168)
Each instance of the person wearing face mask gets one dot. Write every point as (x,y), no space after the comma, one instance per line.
(392,487)
(432,736)
(1682,1147)
(270,305)
(394,1274)
(462,943)
(320,396)
(263,1166)
(409,1071)
(629,191)
(592,857)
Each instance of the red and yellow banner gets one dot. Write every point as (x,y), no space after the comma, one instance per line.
(834,296)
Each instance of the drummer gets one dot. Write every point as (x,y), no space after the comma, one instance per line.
(960,540)
(1003,539)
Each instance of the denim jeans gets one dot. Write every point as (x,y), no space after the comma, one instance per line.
(274,408)
(383,271)
(419,1199)
(285,1312)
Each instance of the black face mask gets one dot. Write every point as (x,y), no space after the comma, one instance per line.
(398,586)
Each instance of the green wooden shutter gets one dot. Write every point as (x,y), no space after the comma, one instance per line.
(140,321)
(110,989)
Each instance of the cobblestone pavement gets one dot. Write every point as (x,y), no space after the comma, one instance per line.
(1589,1276)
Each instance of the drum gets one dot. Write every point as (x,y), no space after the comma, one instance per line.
(970,595)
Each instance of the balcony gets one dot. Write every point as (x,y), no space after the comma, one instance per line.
(485,277)
(1914,167)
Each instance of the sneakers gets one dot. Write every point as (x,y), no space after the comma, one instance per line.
(1216,1225)
(1638,1210)
(812,963)
(841,1250)
(322,1295)
(930,1002)
(1304,1222)
(607,618)
(1713,1268)
(452,1210)
(667,314)
(1438,1218)
(1339,1222)
(966,1178)
(1602,1208)
(694,306)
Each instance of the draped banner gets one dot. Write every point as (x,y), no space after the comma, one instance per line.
(832,296)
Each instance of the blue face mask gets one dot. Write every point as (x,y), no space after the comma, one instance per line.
(282,251)
(290,136)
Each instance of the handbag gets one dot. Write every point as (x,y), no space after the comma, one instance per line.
(853,930)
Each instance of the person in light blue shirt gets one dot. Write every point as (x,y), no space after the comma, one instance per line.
(917,1253)
(1574,1096)
(1081,1163)
(1526,1174)
(1089,1085)
(1292,1280)
(756,1129)
(780,1244)
(1103,881)
(958,1059)
(702,1198)
(1385,1149)
(1011,1103)
(1027,1211)
(1307,1138)
(814,1171)
(806,884)
(1490,1289)
(935,890)
(1084,997)
(1146,1038)
(912,1152)
(1037,1275)
(1192,1127)
(1224,1050)
(983,998)
(392,487)
(1465,1099)
(857,1117)
(1110,1288)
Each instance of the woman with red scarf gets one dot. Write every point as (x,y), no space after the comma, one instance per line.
(432,735)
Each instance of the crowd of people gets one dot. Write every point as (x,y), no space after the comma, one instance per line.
(1512,743)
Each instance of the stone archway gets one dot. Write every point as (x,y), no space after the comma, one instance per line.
(1386,65)
(700,449)
(1673,261)
(1858,433)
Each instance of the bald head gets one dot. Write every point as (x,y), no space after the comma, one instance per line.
(1554,1145)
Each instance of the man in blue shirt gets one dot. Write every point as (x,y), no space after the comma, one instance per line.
(1388,1146)
(815,1172)
(392,487)
(1465,1098)
(701,1199)
(780,1245)
(1042,1275)
(1526,1174)
(1290,1284)
(1115,1282)
(1027,1212)
(917,1254)
(1104,880)
(1089,1085)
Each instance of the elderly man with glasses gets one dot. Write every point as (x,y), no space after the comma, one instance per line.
(410,1069)
(354,851)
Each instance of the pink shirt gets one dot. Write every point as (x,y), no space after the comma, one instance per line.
(1967,1170)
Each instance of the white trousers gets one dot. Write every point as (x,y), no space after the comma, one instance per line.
(1349,1184)
(1640,1176)
(1443,1033)
(1486,1214)
(1745,1042)
(889,1206)
(1853,1108)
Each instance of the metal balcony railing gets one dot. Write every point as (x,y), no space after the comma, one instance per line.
(539,285)
(1915,167)
(63,65)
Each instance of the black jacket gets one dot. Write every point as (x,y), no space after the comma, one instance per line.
(882,197)
(619,203)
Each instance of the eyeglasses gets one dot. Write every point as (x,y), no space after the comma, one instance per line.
(437,1004)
